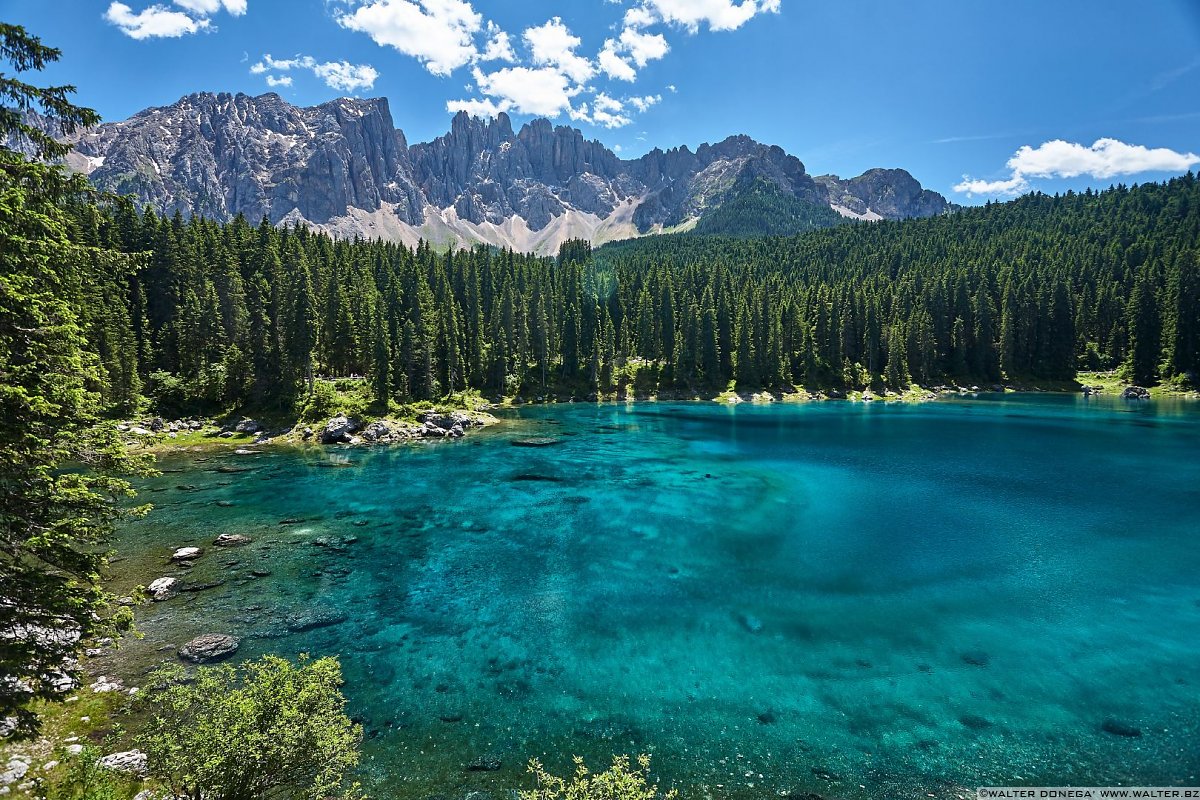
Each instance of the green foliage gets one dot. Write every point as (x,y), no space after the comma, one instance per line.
(82,779)
(265,728)
(621,781)
(53,520)
(760,208)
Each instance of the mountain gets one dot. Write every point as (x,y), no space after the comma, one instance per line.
(344,167)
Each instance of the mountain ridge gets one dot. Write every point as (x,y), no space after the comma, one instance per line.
(345,167)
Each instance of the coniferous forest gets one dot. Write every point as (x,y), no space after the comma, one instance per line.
(218,316)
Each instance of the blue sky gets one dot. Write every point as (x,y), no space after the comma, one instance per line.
(1019,95)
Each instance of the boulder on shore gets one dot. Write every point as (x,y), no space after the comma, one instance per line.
(1136,393)
(339,430)
(209,647)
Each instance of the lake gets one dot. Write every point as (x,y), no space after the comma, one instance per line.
(854,600)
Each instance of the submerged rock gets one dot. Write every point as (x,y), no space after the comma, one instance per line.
(750,622)
(975,722)
(1119,728)
(488,762)
(187,554)
(319,618)
(537,441)
(976,658)
(231,540)
(209,647)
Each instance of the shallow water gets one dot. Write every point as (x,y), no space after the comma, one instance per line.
(849,599)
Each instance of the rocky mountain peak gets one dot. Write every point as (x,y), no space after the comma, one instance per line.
(344,166)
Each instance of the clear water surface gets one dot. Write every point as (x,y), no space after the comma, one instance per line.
(845,599)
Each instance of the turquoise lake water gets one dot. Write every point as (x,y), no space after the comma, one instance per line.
(853,600)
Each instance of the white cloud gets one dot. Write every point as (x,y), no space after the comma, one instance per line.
(544,92)
(718,15)
(1106,158)
(643,104)
(476,108)
(613,65)
(154,22)
(206,8)
(438,33)
(554,45)
(631,46)
(340,75)
(346,77)
(1008,187)
(643,47)
(499,46)
(609,112)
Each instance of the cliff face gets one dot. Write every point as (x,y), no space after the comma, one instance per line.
(344,166)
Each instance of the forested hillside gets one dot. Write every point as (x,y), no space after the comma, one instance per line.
(219,316)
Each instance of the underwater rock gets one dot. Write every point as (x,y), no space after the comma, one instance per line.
(318,618)
(231,540)
(201,587)
(186,554)
(537,441)
(976,658)
(488,762)
(209,647)
(1118,728)
(825,774)
(767,717)
(975,722)
(163,588)
(260,573)
(750,622)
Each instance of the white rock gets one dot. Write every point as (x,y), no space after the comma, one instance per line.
(103,684)
(74,749)
(132,762)
(13,771)
(186,554)
(163,588)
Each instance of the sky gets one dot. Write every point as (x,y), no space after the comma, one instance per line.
(978,100)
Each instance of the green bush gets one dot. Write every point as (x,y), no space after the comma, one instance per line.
(83,779)
(265,728)
(618,782)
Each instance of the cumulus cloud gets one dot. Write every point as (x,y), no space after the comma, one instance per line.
(717,15)
(206,8)
(550,72)
(154,22)
(631,46)
(1105,158)
(499,45)
(643,104)
(544,91)
(552,44)
(340,75)
(438,33)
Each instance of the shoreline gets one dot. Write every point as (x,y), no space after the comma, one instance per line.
(212,436)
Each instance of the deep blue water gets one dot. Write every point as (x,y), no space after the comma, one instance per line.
(849,599)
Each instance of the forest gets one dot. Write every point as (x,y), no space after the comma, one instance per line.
(206,316)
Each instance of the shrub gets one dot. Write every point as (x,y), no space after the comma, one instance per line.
(618,782)
(266,728)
